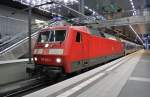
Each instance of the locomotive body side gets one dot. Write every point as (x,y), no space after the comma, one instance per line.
(91,50)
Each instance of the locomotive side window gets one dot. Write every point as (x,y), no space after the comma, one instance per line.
(78,37)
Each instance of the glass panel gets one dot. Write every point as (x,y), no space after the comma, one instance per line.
(78,37)
(43,37)
(109,36)
(57,35)
(52,36)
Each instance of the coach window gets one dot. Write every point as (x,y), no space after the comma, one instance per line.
(78,37)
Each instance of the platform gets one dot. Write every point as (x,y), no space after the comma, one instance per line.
(128,76)
(138,84)
(13,71)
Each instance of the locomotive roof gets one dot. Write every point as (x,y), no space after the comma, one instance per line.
(79,28)
(83,29)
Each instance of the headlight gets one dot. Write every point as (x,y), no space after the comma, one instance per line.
(46,45)
(35,58)
(58,60)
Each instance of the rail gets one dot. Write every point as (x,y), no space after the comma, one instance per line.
(22,86)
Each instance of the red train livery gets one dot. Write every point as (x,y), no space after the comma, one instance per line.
(69,49)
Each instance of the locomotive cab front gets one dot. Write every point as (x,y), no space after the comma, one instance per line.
(48,54)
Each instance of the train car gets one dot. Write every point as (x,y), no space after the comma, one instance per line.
(130,47)
(68,49)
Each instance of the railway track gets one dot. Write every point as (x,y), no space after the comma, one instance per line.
(22,86)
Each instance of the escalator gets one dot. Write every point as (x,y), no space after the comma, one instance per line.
(16,47)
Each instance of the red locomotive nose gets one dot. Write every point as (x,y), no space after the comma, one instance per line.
(49,54)
(49,49)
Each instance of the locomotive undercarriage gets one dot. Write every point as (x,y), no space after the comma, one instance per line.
(46,70)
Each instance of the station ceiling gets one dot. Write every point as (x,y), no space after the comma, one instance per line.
(107,8)
(126,7)
(124,4)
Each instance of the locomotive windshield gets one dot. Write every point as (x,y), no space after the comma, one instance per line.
(52,36)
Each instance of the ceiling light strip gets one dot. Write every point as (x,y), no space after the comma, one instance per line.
(133,7)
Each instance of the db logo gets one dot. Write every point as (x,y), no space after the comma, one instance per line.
(42,59)
(47,60)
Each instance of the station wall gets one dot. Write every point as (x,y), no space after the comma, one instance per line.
(12,71)
(14,21)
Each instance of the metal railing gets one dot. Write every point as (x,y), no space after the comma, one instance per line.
(16,39)
(11,26)
(14,45)
(13,30)
(10,30)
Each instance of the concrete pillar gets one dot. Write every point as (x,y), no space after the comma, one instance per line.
(146,3)
(81,6)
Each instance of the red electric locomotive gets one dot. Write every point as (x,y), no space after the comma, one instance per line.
(67,49)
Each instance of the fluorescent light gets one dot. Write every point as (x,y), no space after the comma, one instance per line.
(66,1)
(133,7)
(90,10)
(94,12)
(86,7)
(132,3)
